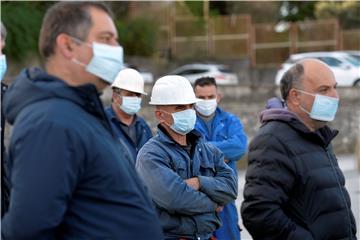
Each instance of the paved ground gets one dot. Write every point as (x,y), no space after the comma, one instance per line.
(348,165)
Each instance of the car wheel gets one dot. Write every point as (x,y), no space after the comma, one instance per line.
(357,83)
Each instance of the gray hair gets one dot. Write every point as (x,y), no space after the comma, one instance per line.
(72,18)
(3,31)
(292,78)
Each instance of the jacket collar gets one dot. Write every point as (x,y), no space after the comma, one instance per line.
(194,136)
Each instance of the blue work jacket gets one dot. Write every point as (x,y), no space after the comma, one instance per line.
(69,176)
(228,135)
(184,212)
(143,132)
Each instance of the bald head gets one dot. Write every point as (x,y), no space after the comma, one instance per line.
(307,71)
(316,72)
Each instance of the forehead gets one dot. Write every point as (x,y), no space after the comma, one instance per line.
(174,108)
(205,90)
(101,24)
(317,74)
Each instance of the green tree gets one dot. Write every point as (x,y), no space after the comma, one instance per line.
(347,12)
(138,36)
(293,11)
(23,22)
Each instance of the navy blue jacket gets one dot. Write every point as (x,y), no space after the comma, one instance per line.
(143,132)
(69,178)
(294,187)
(184,212)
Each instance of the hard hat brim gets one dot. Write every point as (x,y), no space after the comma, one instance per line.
(191,101)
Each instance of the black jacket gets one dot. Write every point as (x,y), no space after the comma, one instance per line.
(5,185)
(294,187)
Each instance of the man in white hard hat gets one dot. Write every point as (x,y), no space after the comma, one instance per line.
(130,129)
(186,176)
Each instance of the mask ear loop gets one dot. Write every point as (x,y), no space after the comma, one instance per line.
(301,107)
(167,124)
(79,42)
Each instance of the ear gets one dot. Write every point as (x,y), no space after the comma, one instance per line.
(115,98)
(218,97)
(293,97)
(65,45)
(159,116)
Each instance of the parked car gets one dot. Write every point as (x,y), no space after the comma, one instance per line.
(222,73)
(148,76)
(354,54)
(345,67)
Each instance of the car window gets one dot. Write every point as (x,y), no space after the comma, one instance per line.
(225,69)
(357,57)
(353,61)
(192,71)
(332,62)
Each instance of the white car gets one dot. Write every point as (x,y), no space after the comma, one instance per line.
(222,73)
(345,67)
(147,76)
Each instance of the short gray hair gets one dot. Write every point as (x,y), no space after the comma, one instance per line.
(72,18)
(3,31)
(292,78)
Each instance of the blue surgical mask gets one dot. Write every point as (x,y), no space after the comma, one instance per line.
(206,107)
(324,108)
(3,66)
(107,61)
(130,105)
(184,121)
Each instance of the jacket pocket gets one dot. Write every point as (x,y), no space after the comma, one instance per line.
(207,169)
(180,167)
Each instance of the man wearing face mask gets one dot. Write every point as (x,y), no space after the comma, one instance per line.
(225,131)
(294,187)
(5,185)
(130,128)
(186,176)
(70,178)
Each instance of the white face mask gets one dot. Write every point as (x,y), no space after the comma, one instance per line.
(324,108)
(3,66)
(107,61)
(130,105)
(206,107)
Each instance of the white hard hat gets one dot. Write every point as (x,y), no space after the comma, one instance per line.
(131,80)
(173,90)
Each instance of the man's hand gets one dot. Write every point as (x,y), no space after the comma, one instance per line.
(226,160)
(219,208)
(193,182)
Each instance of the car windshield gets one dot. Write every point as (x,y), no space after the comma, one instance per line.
(352,60)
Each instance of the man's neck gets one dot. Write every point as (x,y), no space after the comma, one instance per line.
(122,116)
(305,119)
(178,138)
(206,118)
(71,77)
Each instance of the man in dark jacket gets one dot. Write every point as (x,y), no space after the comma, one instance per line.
(70,179)
(5,186)
(294,187)
(186,176)
(130,128)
